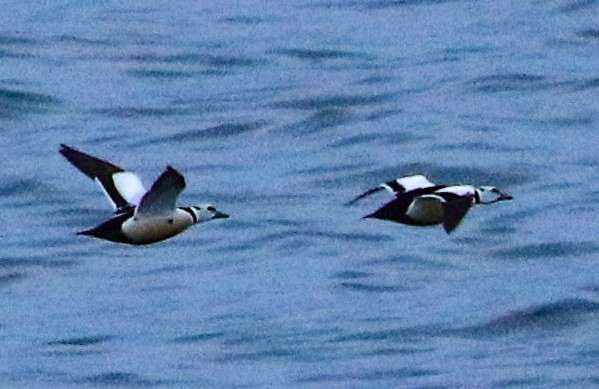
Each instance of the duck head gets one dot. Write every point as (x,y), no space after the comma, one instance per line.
(205,212)
(490,194)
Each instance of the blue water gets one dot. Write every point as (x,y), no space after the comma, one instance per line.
(279,113)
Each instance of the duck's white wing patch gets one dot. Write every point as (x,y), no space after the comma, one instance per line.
(129,187)
(161,199)
(406,184)
(397,186)
(126,188)
(459,190)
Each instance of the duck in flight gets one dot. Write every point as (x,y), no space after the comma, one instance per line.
(141,217)
(420,202)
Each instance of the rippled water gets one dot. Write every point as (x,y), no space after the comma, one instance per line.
(279,113)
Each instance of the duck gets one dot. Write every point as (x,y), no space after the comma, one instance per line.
(140,217)
(419,202)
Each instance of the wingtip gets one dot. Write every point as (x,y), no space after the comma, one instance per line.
(180,179)
(171,169)
(364,194)
(64,148)
(350,202)
(451,223)
(449,229)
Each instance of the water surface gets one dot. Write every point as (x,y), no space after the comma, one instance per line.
(279,113)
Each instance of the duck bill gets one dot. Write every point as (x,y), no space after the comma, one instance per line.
(504,196)
(220,215)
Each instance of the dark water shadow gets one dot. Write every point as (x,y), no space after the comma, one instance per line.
(21,190)
(82,341)
(159,73)
(77,347)
(577,5)
(368,139)
(548,250)
(332,101)
(10,277)
(495,83)
(586,83)
(223,130)
(363,282)
(374,5)
(141,112)
(538,320)
(367,376)
(15,47)
(206,134)
(15,103)
(198,338)
(186,65)
(202,59)
(322,54)
(82,41)
(589,33)
(371,287)
(18,269)
(122,379)
(318,121)
(12,40)
(9,262)
(245,20)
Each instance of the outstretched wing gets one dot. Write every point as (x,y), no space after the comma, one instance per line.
(123,189)
(398,186)
(455,208)
(161,199)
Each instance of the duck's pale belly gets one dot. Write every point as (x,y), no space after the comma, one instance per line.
(150,230)
(426,211)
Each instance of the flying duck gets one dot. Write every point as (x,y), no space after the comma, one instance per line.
(419,202)
(141,217)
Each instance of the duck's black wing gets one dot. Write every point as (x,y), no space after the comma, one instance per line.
(398,186)
(455,208)
(123,188)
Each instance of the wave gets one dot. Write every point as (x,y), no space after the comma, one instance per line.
(18,102)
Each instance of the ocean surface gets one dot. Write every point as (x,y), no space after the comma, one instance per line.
(278,113)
